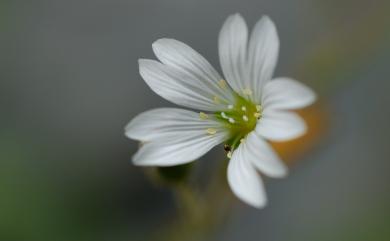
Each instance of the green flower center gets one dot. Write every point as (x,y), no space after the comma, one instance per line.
(239,119)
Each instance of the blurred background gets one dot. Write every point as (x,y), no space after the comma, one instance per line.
(69,83)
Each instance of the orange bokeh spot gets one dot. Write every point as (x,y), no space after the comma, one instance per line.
(316,118)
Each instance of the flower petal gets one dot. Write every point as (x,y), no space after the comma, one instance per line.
(263,157)
(280,125)
(286,93)
(176,86)
(232,44)
(187,61)
(262,54)
(177,149)
(244,181)
(158,123)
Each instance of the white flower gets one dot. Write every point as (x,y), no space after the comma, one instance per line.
(242,111)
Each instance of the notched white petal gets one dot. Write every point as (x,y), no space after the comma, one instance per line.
(280,125)
(176,86)
(262,54)
(159,123)
(176,150)
(244,181)
(173,136)
(186,60)
(263,157)
(232,44)
(286,93)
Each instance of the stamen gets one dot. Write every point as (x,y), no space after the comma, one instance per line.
(222,84)
(229,154)
(238,117)
(211,131)
(257,115)
(247,91)
(203,116)
(224,115)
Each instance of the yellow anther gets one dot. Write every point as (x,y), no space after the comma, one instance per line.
(203,116)
(242,140)
(258,108)
(222,83)
(243,108)
(257,115)
(229,154)
(247,91)
(245,118)
(216,100)
(211,131)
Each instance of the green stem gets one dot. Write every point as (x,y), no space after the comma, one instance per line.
(200,213)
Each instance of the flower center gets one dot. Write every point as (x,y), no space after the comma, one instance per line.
(239,118)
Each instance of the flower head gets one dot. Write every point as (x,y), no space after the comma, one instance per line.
(241,110)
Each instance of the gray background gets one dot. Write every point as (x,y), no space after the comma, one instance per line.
(69,83)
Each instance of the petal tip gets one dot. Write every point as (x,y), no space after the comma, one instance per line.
(135,160)
(161,42)
(138,163)
(312,96)
(144,62)
(282,173)
(258,202)
(266,18)
(131,133)
(141,60)
(236,15)
(238,18)
(235,18)
(157,45)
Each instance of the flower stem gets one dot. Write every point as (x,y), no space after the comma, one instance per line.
(200,213)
